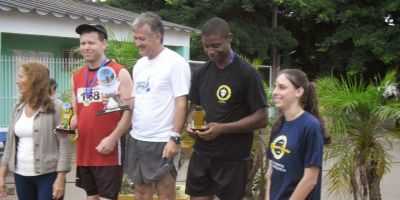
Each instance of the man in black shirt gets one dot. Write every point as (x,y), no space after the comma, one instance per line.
(230,91)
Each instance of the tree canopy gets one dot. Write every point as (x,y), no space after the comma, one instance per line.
(319,36)
(346,36)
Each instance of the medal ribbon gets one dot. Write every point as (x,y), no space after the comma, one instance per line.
(232,56)
(88,92)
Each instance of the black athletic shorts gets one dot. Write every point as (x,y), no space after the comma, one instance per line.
(224,178)
(104,181)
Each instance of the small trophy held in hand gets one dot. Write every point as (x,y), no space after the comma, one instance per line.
(198,122)
(66,116)
(108,84)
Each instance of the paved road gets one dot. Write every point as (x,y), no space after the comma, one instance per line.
(389,186)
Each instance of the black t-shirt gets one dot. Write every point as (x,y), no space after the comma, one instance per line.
(227,95)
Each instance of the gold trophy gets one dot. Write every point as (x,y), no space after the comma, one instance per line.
(198,123)
(108,84)
(66,116)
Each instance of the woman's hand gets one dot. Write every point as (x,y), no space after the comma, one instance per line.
(3,174)
(3,189)
(59,185)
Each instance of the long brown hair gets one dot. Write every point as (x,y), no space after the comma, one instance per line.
(308,100)
(39,82)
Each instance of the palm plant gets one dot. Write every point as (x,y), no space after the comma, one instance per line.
(356,111)
(122,49)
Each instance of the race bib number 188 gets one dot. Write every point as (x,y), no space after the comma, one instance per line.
(94,96)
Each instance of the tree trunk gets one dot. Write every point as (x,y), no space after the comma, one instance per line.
(364,192)
(256,166)
(354,182)
(374,180)
(362,155)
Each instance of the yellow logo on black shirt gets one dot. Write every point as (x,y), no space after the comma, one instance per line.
(278,147)
(224,93)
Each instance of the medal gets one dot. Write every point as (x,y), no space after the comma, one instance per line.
(86,102)
(89,88)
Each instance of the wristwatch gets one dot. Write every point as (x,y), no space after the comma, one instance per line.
(176,139)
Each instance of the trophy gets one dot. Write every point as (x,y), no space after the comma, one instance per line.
(66,116)
(108,84)
(198,122)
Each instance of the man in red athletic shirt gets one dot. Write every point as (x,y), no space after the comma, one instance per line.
(99,152)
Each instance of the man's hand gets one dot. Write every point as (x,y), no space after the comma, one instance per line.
(170,149)
(213,131)
(74,122)
(192,133)
(105,98)
(106,145)
(124,101)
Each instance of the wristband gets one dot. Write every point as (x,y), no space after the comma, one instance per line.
(175,134)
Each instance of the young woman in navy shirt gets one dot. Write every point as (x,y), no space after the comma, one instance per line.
(296,146)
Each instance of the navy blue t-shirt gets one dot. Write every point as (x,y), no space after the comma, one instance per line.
(298,145)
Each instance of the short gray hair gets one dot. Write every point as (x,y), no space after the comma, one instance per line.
(154,21)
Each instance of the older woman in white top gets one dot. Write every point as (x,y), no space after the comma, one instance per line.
(38,157)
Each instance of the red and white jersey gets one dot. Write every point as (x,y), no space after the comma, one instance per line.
(93,128)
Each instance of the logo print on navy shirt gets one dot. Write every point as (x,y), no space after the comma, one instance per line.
(278,147)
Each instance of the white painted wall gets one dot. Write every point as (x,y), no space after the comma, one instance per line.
(31,23)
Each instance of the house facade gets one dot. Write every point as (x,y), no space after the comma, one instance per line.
(48,27)
(45,30)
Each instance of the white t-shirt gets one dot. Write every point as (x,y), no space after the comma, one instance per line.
(25,155)
(156,84)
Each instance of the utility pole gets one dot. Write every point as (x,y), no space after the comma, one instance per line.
(274,52)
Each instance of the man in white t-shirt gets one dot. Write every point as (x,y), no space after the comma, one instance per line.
(161,85)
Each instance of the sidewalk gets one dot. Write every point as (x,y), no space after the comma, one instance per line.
(389,185)
(74,193)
